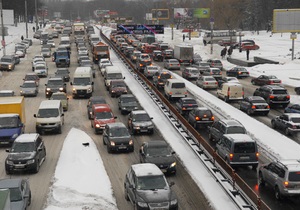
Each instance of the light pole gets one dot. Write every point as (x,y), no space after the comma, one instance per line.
(3,29)
(26,20)
(36,15)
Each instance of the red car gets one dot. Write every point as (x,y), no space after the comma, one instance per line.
(249,45)
(101,115)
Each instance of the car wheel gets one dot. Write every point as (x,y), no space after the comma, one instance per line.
(108,149)
(287,132)
(226,99)
(273,124)
(104,143)
(126,194)
(8,172)
(37,166)
(261,181)
(59,130)
(278,195)
(253,82)
(249,112)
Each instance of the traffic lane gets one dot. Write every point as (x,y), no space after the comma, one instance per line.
(189,195)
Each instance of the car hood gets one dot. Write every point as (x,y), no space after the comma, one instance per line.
(155,196)
(21,156)
(8,131)
(7,63)
(142,123)
(160,160)
(105,121)
(29,89)
(17,205)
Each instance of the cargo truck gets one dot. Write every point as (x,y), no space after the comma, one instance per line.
(184,53)
(100,50)
(61,58)
(12,118)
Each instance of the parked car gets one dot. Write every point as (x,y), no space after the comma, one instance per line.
(20,193)
(184,105)
(116,137)
(287,122)
(191,73)
(29,88)
(239,72)
(127,103)
(295,108)
(159,153)
(266,80)
(172,64)
(224,126)
(27,153)
(200,117)
(255,105)
(274,95)
(142,180)
(207,82)
(63,99)
(140,122)
(287,181)
(94,100)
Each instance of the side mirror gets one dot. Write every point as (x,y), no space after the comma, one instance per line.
(7,150)
(151,118)
(34,115)
(115,117)
(62,114)
(171,184)
(71,83)
(21,125)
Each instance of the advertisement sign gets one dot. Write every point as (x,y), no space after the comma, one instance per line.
(148,16)
(160,14)
(8,17)
(286,20)
(202,12)
(101,13)
(140,29)
(183,13)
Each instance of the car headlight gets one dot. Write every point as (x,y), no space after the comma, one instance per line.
(30,161)
(131,142)
(61,89)
(21,91)
(9,66)
(48,89)
(174,202)
(89,90)
(9,162)
(151,126)
(173,165)
(15,135)
(112,143)
(97,126)
(136,127)
(74,90)
(142,204)
(112,91)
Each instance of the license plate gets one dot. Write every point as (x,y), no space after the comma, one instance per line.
(204,118)
(144,130)
(122,147)
(244,158)
(19,166)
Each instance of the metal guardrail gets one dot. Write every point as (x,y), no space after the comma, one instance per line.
(240,193)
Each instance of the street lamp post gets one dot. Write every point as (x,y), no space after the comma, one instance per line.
(26,20)
(3,29)
(36,15)
(211,34)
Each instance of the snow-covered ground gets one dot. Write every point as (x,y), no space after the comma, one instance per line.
(68,193)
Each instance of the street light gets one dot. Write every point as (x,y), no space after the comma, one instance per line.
(36,16)
(26,20)
(3,29)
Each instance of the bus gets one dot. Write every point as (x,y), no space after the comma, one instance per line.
(219,35)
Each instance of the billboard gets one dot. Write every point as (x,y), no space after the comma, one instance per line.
(201,12)
(8,17)
(286,20)
(140,29)
(189,13)
(160,14)
(101,13)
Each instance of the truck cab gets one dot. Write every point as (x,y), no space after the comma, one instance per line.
(11,127)
(61,58)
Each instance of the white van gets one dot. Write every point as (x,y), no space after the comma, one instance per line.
(94,39)
(175,88)
(65,42)
(50,117)
(231,91)
(112,73)
(83,84)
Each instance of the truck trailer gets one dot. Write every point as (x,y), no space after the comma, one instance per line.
(184,53)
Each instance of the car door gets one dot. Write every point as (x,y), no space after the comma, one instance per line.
(130,186)
(105,135)
(281,122)
(214,130)
(244,104)
(221,144)
(192,116)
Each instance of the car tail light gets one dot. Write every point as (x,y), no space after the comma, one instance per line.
(268,107)
(288,96)
(183,108)
(253,107)
(271,96)
(185,93)
(286,183)
(216,83)
(197,118)
(220,72)
(228,91)
(212,64)
(231,156)
(213,118)
(158,77)
(294,126)
(279,81)
(239,72)
(170,93)
(270,82)
(178,64)
(141,64)
(180,61)
(257,155)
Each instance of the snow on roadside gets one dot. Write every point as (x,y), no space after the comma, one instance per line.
(80,180)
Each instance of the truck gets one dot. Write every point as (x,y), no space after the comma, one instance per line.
(78,28)
(61,58)
(83,84)
(99,51)
(184,53)
(12,118)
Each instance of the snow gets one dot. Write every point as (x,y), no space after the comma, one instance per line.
(79,163)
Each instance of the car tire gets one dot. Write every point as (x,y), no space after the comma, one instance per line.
(261,181)
(126,194)
(273,124)
(8,172)
(287,132)
(249,112)
(59,130)
(278,195)
(254,167)
(37,167)
(108,148)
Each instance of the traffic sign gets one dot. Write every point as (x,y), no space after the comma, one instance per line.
(3,42)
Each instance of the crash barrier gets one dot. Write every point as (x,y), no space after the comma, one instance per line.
(260,60)
(240,62)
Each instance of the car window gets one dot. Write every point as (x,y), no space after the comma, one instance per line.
(244,147)
(118,132)
(103,115)
(178,85)
(141,117)
(23,147)
(295,119)
(235,129)
(294,176)
(151,182)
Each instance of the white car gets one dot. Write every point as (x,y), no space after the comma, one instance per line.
(83,50)
(104,62)
(41,69)
(51,42)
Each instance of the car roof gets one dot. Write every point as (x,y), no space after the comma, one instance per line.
(127,96)
(135,112)
(291,164)
(274,87)
(157,143)
(29,81)
(292,115)
(116,125)
(27,137)
(102,107)
(146,169)
(255,98)
(10,183)
(231,122)
(237,137)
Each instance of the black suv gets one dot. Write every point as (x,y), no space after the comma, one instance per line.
(288,122)
(184,105)
(200,117)
(140,122)
(159,153)
(55,84)
(27,153)
(273,94)
(221,127)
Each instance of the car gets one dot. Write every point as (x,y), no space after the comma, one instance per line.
(157,55)
(295,108)
(54,34)
(94,100)
(227,79)
(41,69)
(184,105)
(225,126)
(27,153)
(88,63)
(274,95)
(202,66)
(63,99)
(20,193)
(46,52)
(287,173)
(249,45)
(196,59)
(207,82)
(159,153)
(101,115)
(32,77)
(266,80)
(104,62)
(82,57)
(127,103)
(191,73)
(83,50)
(64,73)
(29,88)
(160,78)
(215,63)
(128,51)
(7,62)
(55,84)
(238,72)
(117,88)
(116,137)
(38,56)
(142,180)
(143,60)
(140,122)
(254,105)
(20,53)
(135,55)
(287,122)
(172,64)
(215,72)
(7,93)
(200,117)
(150,71)
(168,54)
(51,42)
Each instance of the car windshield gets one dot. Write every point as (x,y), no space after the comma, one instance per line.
(158,151)
(145,57)
(178,85)
(258,101)
(105,61)
(194,71)
(22,147)
(189,101)
(55,82)
(46,113)
(15,194)
(6,60)
(8,122)
(244,147)
(151,183)
(128,100)
(280,92)
(141,117)
(29,85)
(272,77)
(40,67)
(295,119)
(86,63)
(103,115)
(216,71)
(114,76)
(210,79)
(165,76)
(62,72)
(236,129)
(59,97)
(118,132)
(30,78)
(118,84)
(294,176)
(173,61)
(45,50)
(81,81)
